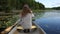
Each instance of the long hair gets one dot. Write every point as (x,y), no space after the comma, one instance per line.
(25,10)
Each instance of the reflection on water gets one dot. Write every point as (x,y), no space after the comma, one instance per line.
(51,14)
(50,22)
(39,14)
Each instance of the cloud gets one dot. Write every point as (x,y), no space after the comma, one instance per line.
(50,3)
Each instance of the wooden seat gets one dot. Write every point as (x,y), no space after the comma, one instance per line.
(33,27)
(20,27)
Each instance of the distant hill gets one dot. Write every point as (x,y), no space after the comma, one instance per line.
(56,8)
(53,8)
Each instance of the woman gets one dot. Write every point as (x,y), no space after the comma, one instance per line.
(26,17)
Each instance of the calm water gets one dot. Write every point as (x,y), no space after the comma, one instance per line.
(50,21)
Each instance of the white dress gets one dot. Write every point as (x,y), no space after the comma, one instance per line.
(27,21)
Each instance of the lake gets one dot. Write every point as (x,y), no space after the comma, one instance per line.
(50,21)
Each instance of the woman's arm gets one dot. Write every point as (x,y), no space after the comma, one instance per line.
(32,14)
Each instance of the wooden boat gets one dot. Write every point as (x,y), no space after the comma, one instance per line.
(18,29)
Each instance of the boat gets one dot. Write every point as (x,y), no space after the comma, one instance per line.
(18,29)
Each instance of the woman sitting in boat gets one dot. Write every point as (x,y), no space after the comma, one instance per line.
(26,17)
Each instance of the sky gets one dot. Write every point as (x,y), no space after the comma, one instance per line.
(49,3)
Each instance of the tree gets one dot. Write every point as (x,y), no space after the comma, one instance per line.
(4,6)
(18,4)
(41,6)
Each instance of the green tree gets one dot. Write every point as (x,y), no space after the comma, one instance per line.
(18,4)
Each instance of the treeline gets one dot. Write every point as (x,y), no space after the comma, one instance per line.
(32,3)
(18,4)
(56,8)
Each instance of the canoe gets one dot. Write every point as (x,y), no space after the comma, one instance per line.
(18,29)
(34,30)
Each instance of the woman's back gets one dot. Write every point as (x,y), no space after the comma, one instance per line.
(27,21)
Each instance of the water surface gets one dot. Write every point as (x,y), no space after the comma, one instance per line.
(50,21)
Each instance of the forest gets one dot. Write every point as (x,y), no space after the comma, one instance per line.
(6,5)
